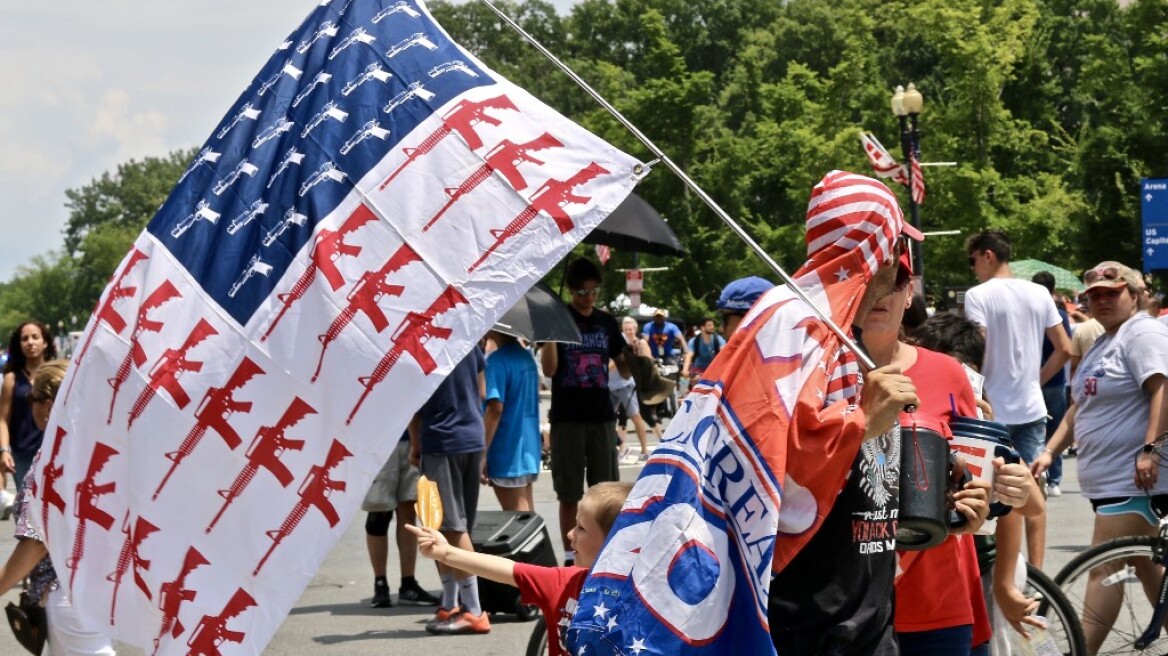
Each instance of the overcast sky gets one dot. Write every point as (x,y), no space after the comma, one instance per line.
(88,85)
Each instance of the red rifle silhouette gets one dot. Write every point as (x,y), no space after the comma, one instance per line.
(166,371)
(462,118)
(85,504)
(172,594)
(551,199)
(105,310)
(217,406)
(371,288)
(137,357)
(505,159)
(49,494)
(314,492)
(329,247)
(131,555)
(411,337)
(265,451)
(212,631)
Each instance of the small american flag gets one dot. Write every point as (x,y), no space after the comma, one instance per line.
(367,208)
(884,165)
(603,253)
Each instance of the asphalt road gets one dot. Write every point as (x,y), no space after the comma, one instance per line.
(333,617)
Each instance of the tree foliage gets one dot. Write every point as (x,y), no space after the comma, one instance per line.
(1053,110)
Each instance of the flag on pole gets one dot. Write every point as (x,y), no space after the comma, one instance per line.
(755,457)
(886,166)
(368,207)
(603,253)
(918,179)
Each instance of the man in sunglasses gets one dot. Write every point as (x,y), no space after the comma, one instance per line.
(1015,315)
(583,433)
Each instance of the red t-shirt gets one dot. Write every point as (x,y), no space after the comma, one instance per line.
(941,587)
(555,590)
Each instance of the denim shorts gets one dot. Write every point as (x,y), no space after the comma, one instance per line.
(1029,439)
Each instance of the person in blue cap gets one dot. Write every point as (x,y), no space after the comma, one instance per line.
(736,300)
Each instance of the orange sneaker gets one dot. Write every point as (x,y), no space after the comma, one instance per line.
(462,624)
(442,615)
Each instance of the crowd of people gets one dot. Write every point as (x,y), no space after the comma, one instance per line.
(1089,375)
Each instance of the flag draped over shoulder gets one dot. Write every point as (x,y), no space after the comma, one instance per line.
(364,212)
(753,460)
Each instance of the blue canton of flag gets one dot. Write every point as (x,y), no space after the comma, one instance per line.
(365,211)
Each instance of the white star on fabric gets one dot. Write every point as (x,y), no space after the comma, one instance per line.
(612,623)
(842,274)
(600,611)
(581,652)
(638,646)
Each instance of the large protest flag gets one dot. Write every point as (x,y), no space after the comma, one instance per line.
(363,213)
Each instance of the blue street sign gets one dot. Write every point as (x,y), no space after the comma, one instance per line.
(1154,205)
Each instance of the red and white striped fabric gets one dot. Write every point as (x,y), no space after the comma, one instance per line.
(603,253)
(918,181)
(883,163)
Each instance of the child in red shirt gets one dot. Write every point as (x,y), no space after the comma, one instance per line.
(553,589)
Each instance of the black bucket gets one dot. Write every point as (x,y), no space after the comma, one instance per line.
(924,519)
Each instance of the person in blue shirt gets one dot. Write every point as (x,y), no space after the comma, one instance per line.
(702,349)
(512,423)
(1054,391)
(663,336)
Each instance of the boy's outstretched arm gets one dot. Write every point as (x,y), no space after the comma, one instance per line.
(432,544)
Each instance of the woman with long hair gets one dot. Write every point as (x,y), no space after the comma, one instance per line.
(67,635)
(30,345)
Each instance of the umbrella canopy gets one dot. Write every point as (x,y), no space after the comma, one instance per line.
(635,226)
(539,316)
(1063,279)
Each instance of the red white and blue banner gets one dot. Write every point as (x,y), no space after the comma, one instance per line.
(749,467)
(360,217)
(884,165)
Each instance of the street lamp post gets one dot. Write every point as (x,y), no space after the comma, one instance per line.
(907,105)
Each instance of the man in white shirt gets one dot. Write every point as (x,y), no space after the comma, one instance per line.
(1015,315)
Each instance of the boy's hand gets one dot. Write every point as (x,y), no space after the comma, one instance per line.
(1011,483)
(973,502)
(1018,609)
(431,543)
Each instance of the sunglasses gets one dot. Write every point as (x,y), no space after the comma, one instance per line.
(973,259)
(583,293)
(1104,273)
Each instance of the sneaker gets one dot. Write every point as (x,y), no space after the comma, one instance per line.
(415,596)
(442,615)
(644,457)
(380,595)
(462,624)
(623,452)
(1053,490)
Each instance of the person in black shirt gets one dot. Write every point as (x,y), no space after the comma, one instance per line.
(583,432)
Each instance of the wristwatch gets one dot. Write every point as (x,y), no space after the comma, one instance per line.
(1148,448)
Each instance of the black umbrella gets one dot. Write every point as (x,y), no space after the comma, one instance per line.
(635,226)
(539,316)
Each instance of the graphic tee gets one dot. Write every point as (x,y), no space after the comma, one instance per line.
(580,386)
(662,340)
(1112,419)
(842,605)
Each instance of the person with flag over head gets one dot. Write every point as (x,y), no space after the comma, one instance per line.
(766,519)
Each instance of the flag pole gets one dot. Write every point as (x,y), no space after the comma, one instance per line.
(693,186)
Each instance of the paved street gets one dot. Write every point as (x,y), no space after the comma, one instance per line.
(332,616)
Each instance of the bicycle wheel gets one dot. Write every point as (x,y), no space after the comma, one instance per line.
(1062,620)
(537,644)
(1128,572)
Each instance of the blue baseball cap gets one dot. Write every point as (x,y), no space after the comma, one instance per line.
(740,295)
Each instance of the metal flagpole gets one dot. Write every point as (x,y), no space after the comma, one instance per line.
(730,223)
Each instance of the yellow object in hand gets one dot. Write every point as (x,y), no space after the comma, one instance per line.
(429,504)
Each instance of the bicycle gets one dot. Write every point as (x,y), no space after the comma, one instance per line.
(1062,622)
(1134,568)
